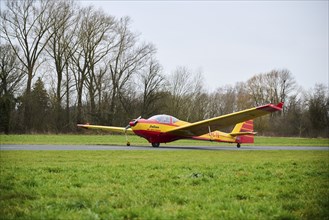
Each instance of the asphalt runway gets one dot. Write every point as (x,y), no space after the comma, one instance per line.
(161,148)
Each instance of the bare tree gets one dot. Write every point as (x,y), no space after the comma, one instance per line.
(280,84)
(101,86)
(294,118)
(274,86)
(318,110)
(24,26)
(11,77)
(222,101)
(178,84)
(152,83)
(94,42)
(243,98)
(185,89)
(100,44)
(198,99)
(257,89)
(126,59)
(60,47)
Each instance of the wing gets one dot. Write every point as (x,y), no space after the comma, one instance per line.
(107,128)
(220,122)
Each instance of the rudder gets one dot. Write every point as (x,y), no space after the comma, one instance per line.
(244,132)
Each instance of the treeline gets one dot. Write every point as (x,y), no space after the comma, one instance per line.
(78,64)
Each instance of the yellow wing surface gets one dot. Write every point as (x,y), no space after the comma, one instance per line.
(217,123)
(107,128)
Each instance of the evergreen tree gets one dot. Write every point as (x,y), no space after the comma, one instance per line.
(40,119)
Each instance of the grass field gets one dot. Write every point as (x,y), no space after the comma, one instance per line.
(137,141)
(164,185)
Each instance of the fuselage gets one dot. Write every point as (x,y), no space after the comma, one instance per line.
(154,128)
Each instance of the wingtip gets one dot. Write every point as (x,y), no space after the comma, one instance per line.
(83,125)
(271,107)
(280,105)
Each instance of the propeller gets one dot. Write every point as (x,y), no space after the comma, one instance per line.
(131,124)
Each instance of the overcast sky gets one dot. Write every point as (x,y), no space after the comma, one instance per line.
(231,41)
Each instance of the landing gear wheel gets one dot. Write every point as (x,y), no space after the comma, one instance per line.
(128,143)
(238,145)
(155,144)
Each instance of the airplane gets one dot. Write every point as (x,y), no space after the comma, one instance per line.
(165,128)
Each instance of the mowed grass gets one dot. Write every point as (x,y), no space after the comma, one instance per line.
(84,139)
(164,185)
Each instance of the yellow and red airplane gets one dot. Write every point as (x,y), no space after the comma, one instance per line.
(165,128)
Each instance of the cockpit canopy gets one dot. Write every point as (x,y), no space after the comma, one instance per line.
(166,119)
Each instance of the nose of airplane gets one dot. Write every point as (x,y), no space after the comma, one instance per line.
(134,122)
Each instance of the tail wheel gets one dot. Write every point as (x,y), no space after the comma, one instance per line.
(238,145)
(155,144)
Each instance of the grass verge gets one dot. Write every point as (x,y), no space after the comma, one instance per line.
(164,185)
(135,140)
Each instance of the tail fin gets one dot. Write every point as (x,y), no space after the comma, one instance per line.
(244,132)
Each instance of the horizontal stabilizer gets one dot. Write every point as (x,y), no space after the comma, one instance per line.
(242,133)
